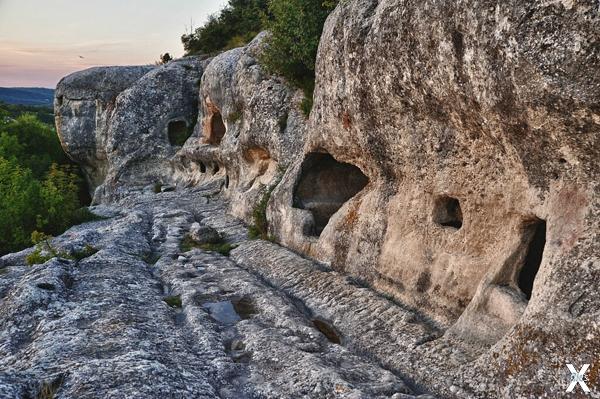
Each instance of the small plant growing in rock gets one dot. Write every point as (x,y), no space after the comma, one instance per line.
(164,59)
(86,252)
(306,105)
(234,116)
(283,122)
(151,258)
(260,227)
(44,251)
(220,246)
(48,390)
(157,188)
(173,301)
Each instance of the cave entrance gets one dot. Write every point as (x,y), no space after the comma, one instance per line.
(216,129)
(324,186)
(447,212)
(533,257)
(178,133)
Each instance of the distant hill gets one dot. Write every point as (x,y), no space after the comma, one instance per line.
(27,95)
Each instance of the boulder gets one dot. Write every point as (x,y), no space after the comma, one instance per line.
(126,133)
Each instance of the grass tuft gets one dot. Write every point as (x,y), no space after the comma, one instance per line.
(222,247)
(173,301)
(234,116)
(48,390)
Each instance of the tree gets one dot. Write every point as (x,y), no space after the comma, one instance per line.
(165,59)
(19,206)
(238,23)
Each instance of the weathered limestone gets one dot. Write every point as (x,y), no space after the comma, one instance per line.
(249,129)
(127,132)
(450,162)
(477,126)
(100,327)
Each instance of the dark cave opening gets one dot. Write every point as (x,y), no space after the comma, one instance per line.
(327,330)
(447,212)
(178,133)
(202,167)
(324,186)
(217,129)
(533,257)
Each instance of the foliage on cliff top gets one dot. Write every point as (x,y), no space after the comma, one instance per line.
(291,51)
(296,27)
(234,26)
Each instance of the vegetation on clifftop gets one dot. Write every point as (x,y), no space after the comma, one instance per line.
(291,51)
(234,26)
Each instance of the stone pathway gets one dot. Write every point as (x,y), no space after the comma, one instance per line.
(260,323)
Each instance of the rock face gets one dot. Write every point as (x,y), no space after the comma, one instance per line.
(249,129)
(450,162)
(127,132)
(477,129)
(83,105)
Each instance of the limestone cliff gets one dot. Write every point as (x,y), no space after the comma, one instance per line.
(437,216)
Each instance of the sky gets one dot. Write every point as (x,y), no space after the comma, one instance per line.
(43,40)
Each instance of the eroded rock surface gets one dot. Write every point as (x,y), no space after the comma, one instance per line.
(125,124)
(102,327)
(478,132)
(249,129)
(450,163)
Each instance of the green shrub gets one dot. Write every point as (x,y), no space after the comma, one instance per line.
(39,188)
(31,143)
(36,257)
(238,23)
(20,204)
(291,51)
(44,251)
(173,301)
(295,26)
(60,199)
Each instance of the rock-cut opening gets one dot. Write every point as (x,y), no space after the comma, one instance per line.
(217,129)
(533,257)
(447,212)
(178,133)
(324,186)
